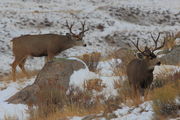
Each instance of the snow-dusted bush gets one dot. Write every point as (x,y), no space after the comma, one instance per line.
(54,100)
(164,103)
(91,60)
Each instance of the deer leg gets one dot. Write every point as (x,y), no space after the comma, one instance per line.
(21,65)
(14,65)
(46,59)
(50,57)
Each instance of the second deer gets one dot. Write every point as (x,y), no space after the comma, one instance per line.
(140,70)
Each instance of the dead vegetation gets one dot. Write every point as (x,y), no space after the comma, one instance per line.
(55,103)
(94,84)
(19,75)
(170,39)
(92,60)
(164,101)
(126,56)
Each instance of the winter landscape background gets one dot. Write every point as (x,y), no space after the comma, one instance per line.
(112,24)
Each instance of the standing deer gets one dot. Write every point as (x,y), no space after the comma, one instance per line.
(140,70)
(44,45)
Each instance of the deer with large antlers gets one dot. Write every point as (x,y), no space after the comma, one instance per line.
(140,70)
(44,45)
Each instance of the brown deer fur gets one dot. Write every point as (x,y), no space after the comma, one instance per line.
(43,45)
(140,70)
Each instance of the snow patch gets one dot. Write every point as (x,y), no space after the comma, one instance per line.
(106,68)
(143,112)
(13,110)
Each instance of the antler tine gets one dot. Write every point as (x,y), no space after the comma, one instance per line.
(83,26)
(69,26)
(159,46)
(137,45)
(155,41)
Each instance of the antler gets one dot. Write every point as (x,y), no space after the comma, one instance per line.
(69,27)
(137,45)
(155,41)
(83,26)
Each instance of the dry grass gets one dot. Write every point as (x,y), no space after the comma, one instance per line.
(126,56)
(170,41)
(92,60)
(19,75)
(54,103)
(164,78)
(94,84)
(164,101)
(126,94)
(69,112)
(164,95)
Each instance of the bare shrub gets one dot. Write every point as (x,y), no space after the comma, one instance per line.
(162,79)
(20,75)
(55,100)
(50,99)
(126,56)
(111,104)
(94,84)
(91,60)
(164,100)
(170,39)
(125,93)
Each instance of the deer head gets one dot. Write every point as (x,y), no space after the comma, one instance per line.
(148,54)
(76,36)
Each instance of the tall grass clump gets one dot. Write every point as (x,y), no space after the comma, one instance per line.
(58,102)
(91,60)
(164,103)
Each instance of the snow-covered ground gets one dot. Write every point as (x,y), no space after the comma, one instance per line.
(12,110)
(77,79)
(125,19)
(142,112)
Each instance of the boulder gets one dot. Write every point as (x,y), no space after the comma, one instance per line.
(172,57)
(56,73)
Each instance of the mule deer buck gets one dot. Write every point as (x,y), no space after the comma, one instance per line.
(140,70)
(44,45)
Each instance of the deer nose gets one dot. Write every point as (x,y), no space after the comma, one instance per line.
(84,45)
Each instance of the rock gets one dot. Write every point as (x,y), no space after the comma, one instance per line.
(55,73)
(172,58)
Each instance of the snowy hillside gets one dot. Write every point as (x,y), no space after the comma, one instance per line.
(127,19)
(112,24)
